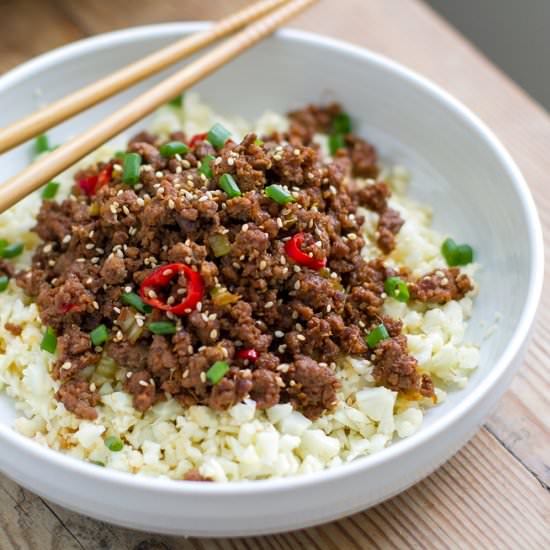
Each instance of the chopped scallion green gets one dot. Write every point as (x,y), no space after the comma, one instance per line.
(217,371)
(41,144)
(98,463)
(49,341)
(397,288)
(336,141)
(457,254)
(218,135)
(258,142)
(342,123)
(132,299)
(120,155)
(131,168)
(162,327)
(173,148)
(279,194)
(99,335)
(10,250)
(114,444)
(206,166)
(376,335)
(4,282)
(50,190)
(229,185)
(177,101)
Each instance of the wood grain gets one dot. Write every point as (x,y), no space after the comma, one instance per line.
(494,492)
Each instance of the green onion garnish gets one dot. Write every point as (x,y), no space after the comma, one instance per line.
(173,148)
(457,254)
(49,341)
(376,335)
(279,194)
(162,327)
(41,144)
(120,155)
(177,101)
(220,245)
(4,282)
(342,123)
(335,142)
(217,371)
(50,190)
(229,185)
(130,168)
(206,167)
(218,135)
(114,444)
(99,335)
(3,243)
(132,299)
(98,463)
(10,250)
(259,142)
(397,288)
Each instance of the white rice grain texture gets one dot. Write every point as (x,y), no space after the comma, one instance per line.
(242,443)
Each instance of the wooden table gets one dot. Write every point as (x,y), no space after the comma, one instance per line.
(494,493)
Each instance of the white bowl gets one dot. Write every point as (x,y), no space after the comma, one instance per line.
(458,166)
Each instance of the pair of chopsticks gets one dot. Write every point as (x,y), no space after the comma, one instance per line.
(268,16)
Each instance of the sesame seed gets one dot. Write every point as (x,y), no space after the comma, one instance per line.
(268,305)
(93,387)
(81,260)
(170,300)
(185,163)
(296,152)
(279,333)
(143,383)
(95,260)
(95,304)
(171,204)
(383,295)
(48,248)
(297,269)
(231,161)
(444,281)
(352,236)
(297,285)
(244,228)
(263,265)
(281,348)
(66,239)
(116,309)
(203,377)
(152,294)
(66,366)
(128,289)
(129,375)
(159,174)
(213,334)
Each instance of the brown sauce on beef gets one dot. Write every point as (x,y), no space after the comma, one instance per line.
(299,320)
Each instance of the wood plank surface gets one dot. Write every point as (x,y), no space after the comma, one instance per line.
(495,492)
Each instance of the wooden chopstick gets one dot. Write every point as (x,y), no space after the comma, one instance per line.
(55,162)
(61,110)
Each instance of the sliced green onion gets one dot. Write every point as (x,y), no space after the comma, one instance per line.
(98,463)
(3,243)
(342,123)
(279,194)
(173,148)
(177,101)
(50,190)
(376,335)
(206,168)
(229,185)
(132,299)
(162,327)
(220,245)
(4,282)
(130,168)
(457,254)
(10,250)
(99,335)
(49,341)
(335,142)
(258,142)
(218,135)
(120,155)
(217,371)
(114,444)
(41,144)
(397,288)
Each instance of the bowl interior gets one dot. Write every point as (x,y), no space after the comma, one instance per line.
(453,164)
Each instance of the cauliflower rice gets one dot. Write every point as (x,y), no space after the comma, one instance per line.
(242,443)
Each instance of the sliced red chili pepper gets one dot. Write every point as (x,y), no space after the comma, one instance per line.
(248,354)
(161,277)
(294,252)
(197,137)
(67,308)
(91,185)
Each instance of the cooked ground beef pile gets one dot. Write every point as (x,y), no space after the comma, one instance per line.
(276,326)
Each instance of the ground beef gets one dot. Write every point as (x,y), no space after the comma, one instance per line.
(6,268)
(194,475)
(300,321)
(441,286)
(79,398)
